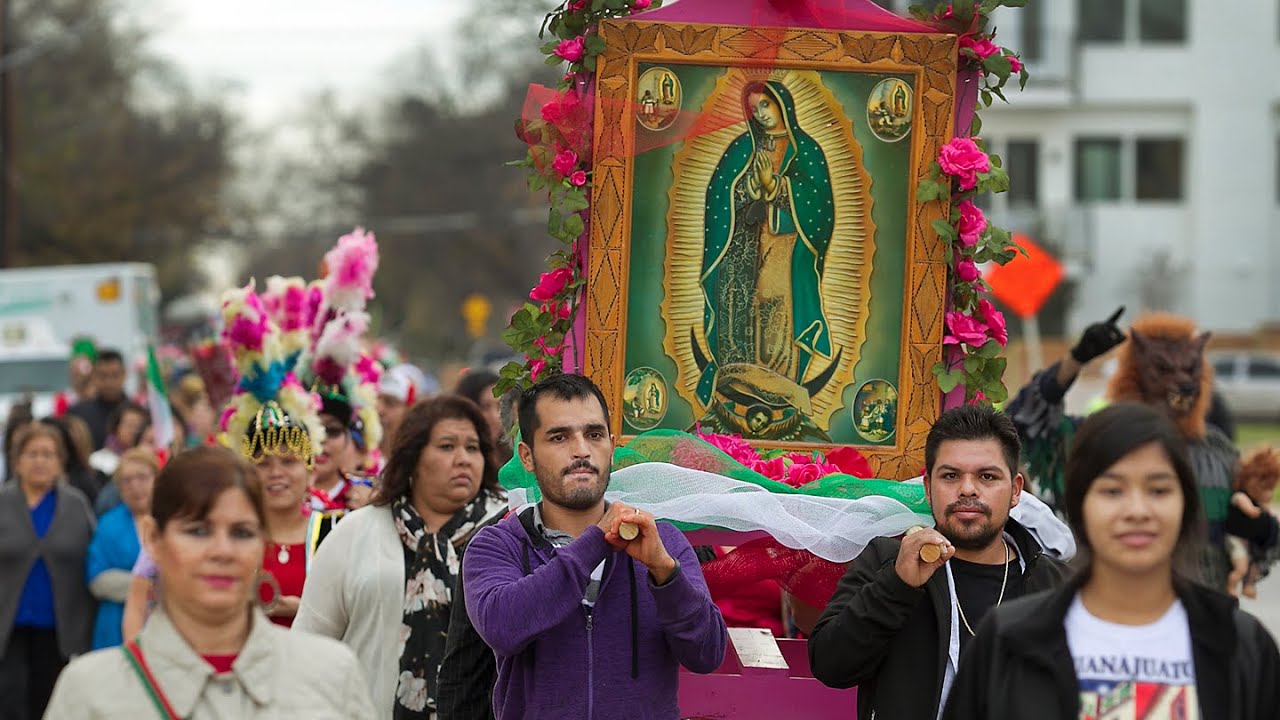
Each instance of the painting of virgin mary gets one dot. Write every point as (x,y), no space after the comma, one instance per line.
(768,225)
(768,252)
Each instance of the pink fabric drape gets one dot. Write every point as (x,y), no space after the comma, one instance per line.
(824,14)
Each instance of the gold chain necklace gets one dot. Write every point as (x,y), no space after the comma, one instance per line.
(1000,599)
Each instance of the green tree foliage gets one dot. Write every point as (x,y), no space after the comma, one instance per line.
(115,157)
(425,169)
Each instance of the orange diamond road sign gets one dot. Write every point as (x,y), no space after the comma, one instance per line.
(1026,282)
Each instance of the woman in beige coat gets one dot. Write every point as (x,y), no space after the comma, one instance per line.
(206,652)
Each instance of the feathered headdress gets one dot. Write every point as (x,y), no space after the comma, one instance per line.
(271,412)
(363,392)
(338,325)
(347,285)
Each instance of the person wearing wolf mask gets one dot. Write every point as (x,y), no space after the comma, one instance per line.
(1162,365)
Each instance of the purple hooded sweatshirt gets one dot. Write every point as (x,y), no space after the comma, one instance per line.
(559,659)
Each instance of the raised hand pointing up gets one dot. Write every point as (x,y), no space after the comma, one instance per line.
(1098,338)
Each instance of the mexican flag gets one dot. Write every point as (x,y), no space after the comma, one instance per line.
(158,405)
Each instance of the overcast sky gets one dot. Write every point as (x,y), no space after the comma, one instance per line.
(276,51)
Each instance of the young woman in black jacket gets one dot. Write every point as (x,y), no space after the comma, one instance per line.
(1131,636)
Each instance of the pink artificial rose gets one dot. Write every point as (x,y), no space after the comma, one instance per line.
(963,159)
(561,108)
(565,162)
(995,322)
(966,270)
(800,458)
(804,473)
(551,284)
(775,469)
(981,46)
(1015,65)
(552,112)
(978,398)
(578,178)
(571,50)
(579,4)
(851,462)
(733,446)
(536,367)
(972,223)
(561,311)
(638,5)
(965,329)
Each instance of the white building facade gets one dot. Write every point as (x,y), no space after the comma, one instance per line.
(1145,152)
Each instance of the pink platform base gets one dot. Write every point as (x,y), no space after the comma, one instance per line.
(757,694)
(738,693)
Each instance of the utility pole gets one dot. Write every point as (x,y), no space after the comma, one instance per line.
(8,210)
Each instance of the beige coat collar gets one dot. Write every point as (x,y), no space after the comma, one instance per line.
(184,676)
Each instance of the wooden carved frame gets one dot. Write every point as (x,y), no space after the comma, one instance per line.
(931,58)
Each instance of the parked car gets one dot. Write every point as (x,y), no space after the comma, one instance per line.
(1250,383)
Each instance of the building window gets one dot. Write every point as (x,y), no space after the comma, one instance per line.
(1144,169)
(1098,163)
(1147,21)
(1022,160)
(1162,21)
(1159,169)
(1032,40)
(1101,20)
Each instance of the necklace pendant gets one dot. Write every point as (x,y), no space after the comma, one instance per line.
(283,556)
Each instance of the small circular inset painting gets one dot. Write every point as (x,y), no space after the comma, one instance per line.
(889,109)
(658,97)
(875,410)
(644,398)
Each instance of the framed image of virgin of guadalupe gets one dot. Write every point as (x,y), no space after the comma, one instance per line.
(758,263)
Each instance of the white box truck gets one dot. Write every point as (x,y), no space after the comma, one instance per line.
(43,309)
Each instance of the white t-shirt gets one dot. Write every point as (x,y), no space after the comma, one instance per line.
(1133,672)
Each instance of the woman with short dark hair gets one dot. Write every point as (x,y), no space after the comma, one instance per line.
(46,611)
(1133,628)
(207,651)
(383,579)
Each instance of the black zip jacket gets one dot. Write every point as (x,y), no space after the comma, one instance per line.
(890,639)
(468,670)
(1020,666)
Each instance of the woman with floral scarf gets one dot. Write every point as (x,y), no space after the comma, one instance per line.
(383,580)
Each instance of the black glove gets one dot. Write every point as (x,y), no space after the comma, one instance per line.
(1098,338)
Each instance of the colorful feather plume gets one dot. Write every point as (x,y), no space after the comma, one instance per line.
(351,265)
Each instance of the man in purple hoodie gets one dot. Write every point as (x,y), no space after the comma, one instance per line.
(585,623)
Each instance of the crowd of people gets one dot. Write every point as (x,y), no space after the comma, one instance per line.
(334,541)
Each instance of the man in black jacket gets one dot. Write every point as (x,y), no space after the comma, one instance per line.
(897,622)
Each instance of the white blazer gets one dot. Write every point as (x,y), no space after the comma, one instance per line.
(355,593)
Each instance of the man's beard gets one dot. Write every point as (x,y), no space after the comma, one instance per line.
(972,537)
(580,497)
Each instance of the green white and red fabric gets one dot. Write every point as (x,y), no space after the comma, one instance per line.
(809,532)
